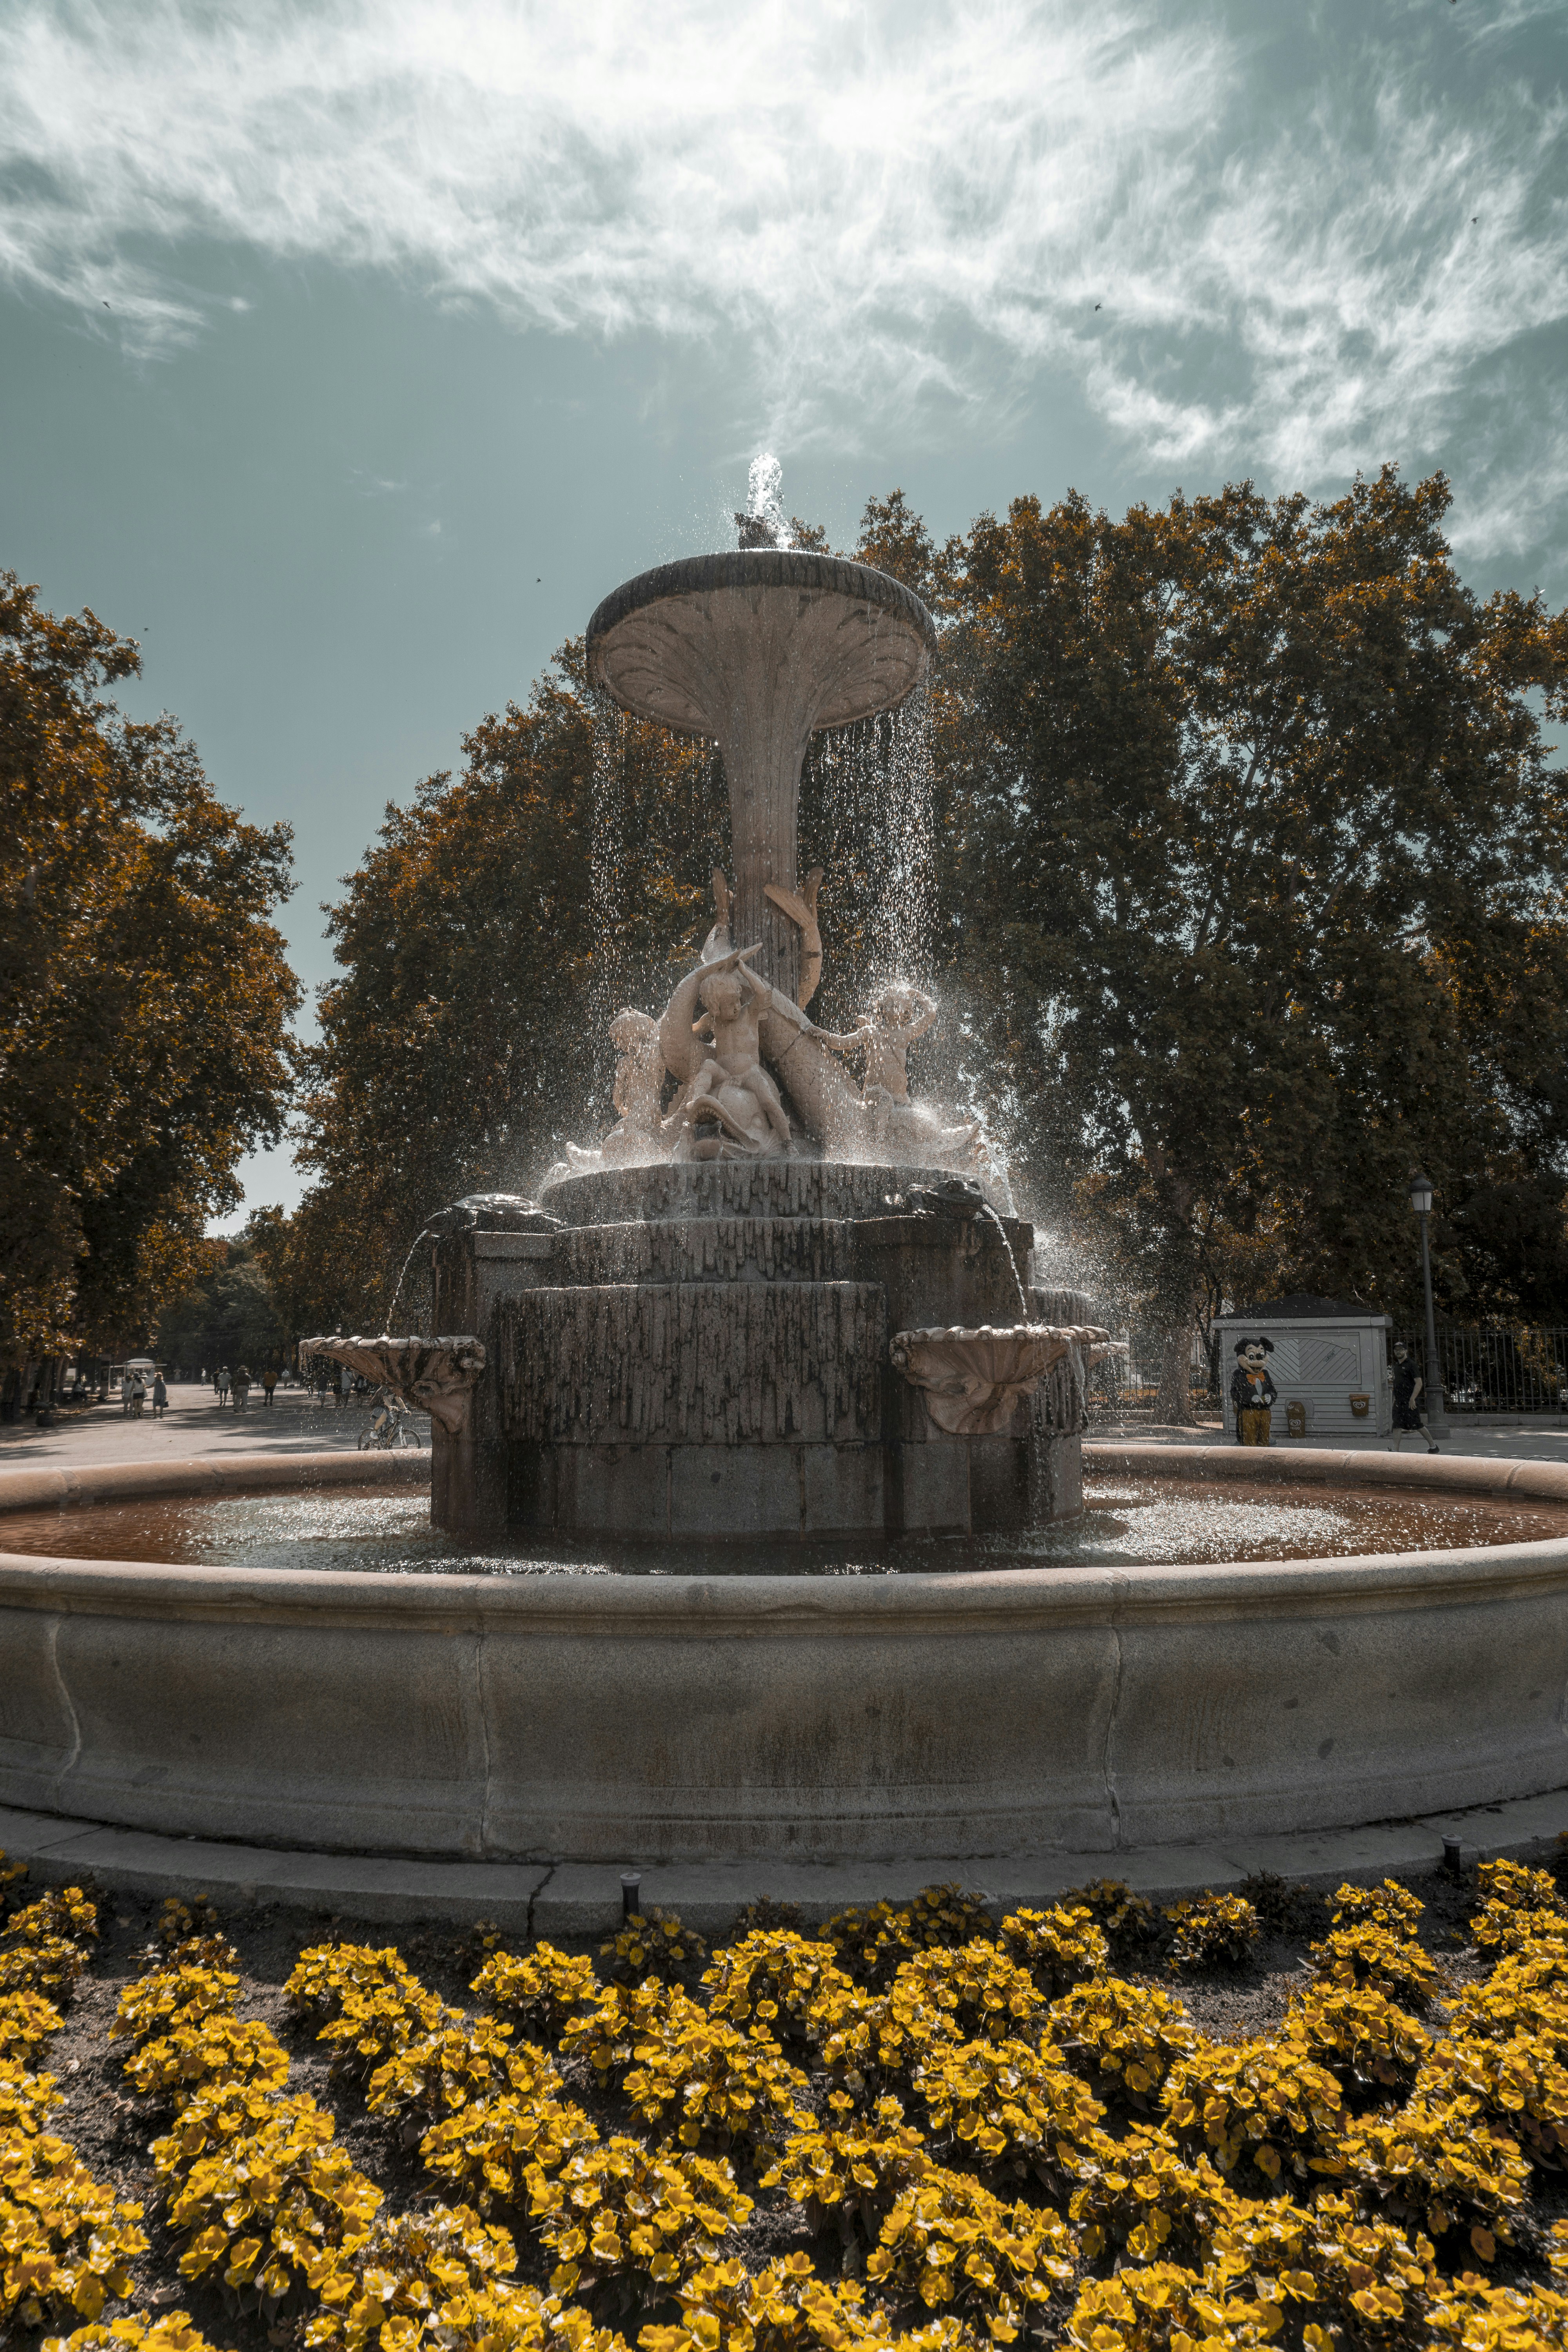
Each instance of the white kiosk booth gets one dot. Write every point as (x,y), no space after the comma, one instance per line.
(1328,1363)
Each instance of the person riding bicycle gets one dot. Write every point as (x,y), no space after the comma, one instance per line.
(385,1422)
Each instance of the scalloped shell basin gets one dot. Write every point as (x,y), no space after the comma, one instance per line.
(1095,1697)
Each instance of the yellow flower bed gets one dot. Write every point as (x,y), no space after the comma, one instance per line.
(66,2240)
(851,2170)
(25,2101)
(272,2207)
(187,1992)
(207,2048)
(1060,1948)
(656,1945)
(951,2244)
(774,1980)
(1264,2102)
(541,1990)
(1213,1930)
(133,2331)
(64,1912)
(979,2131)
(26,2022)
(47,1964)
(459,2063)
(392,2283)
(698,2077)
(616,2209)
(1009,2107)
(488,2150)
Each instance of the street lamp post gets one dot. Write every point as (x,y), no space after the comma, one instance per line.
(1421,1201)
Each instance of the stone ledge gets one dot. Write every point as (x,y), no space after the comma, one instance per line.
(204,1475)
(583,1898)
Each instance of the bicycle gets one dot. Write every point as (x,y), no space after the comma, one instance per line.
(384,1429)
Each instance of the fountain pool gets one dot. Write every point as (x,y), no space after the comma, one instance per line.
(1126,1522)
(1101,1699)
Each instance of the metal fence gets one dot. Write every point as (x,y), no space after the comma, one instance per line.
(1499,1368)
(1130,1382)
(1487,1368)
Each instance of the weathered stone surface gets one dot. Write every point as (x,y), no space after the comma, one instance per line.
(620,1718)
(437,1376)
(767,1188)
(581,1898)
(710,1249)
(707,1363)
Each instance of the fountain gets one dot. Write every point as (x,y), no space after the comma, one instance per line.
(740,1314)
(785,1304)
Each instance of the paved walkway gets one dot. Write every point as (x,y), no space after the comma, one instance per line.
(194,1425)
(1543,1439)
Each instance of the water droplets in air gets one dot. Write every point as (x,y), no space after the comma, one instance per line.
(763,524)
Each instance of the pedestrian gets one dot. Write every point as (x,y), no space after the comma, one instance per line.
(138,1387)
(268,1382)
(345,1382)
(1409,1400)
(159,1397)
(221,1384)
(242,1389)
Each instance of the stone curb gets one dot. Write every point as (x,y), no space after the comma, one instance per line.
(205,1474)
(584,1898)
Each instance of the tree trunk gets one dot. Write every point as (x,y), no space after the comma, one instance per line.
(1175,1401)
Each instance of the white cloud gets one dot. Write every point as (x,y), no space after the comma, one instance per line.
(892,205)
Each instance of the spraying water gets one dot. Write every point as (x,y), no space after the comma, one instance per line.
(763,524)
(987,1210)
(423,1235)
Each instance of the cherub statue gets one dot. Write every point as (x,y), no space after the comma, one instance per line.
(899,1013)
(638,1085)
(905,1129)
(729,1108)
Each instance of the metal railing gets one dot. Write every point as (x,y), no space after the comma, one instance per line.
(1498,1367)
(1130,1383)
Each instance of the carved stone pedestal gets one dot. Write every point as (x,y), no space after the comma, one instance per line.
(703,1352)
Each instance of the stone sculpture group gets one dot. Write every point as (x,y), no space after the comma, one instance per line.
(712,1041)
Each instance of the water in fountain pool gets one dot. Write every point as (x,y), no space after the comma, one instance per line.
(1126,1523)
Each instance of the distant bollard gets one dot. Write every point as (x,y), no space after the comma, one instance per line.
(631,1887)
(1453,1857)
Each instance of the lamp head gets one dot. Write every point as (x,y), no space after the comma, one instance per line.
(1421,1194)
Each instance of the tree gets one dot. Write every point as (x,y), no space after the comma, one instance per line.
(493,929)
(231,1317)
(145,997)
(1264,860)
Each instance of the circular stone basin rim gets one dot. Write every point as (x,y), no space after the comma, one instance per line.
(989,1712)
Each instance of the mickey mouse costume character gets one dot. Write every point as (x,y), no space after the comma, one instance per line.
(1252,1393)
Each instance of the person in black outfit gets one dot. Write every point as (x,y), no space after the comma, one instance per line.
(1409,1399)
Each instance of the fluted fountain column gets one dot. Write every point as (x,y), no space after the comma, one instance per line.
(757,650)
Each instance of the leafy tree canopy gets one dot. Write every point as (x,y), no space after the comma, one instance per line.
(1246,885)
(231,1317)
(145,997)
(1263,853)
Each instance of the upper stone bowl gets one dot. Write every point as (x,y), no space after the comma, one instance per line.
(666,644)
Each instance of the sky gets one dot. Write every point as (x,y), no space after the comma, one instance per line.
(349,354)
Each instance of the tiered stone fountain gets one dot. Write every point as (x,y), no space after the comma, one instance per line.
(770,1307)
(778,1305)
